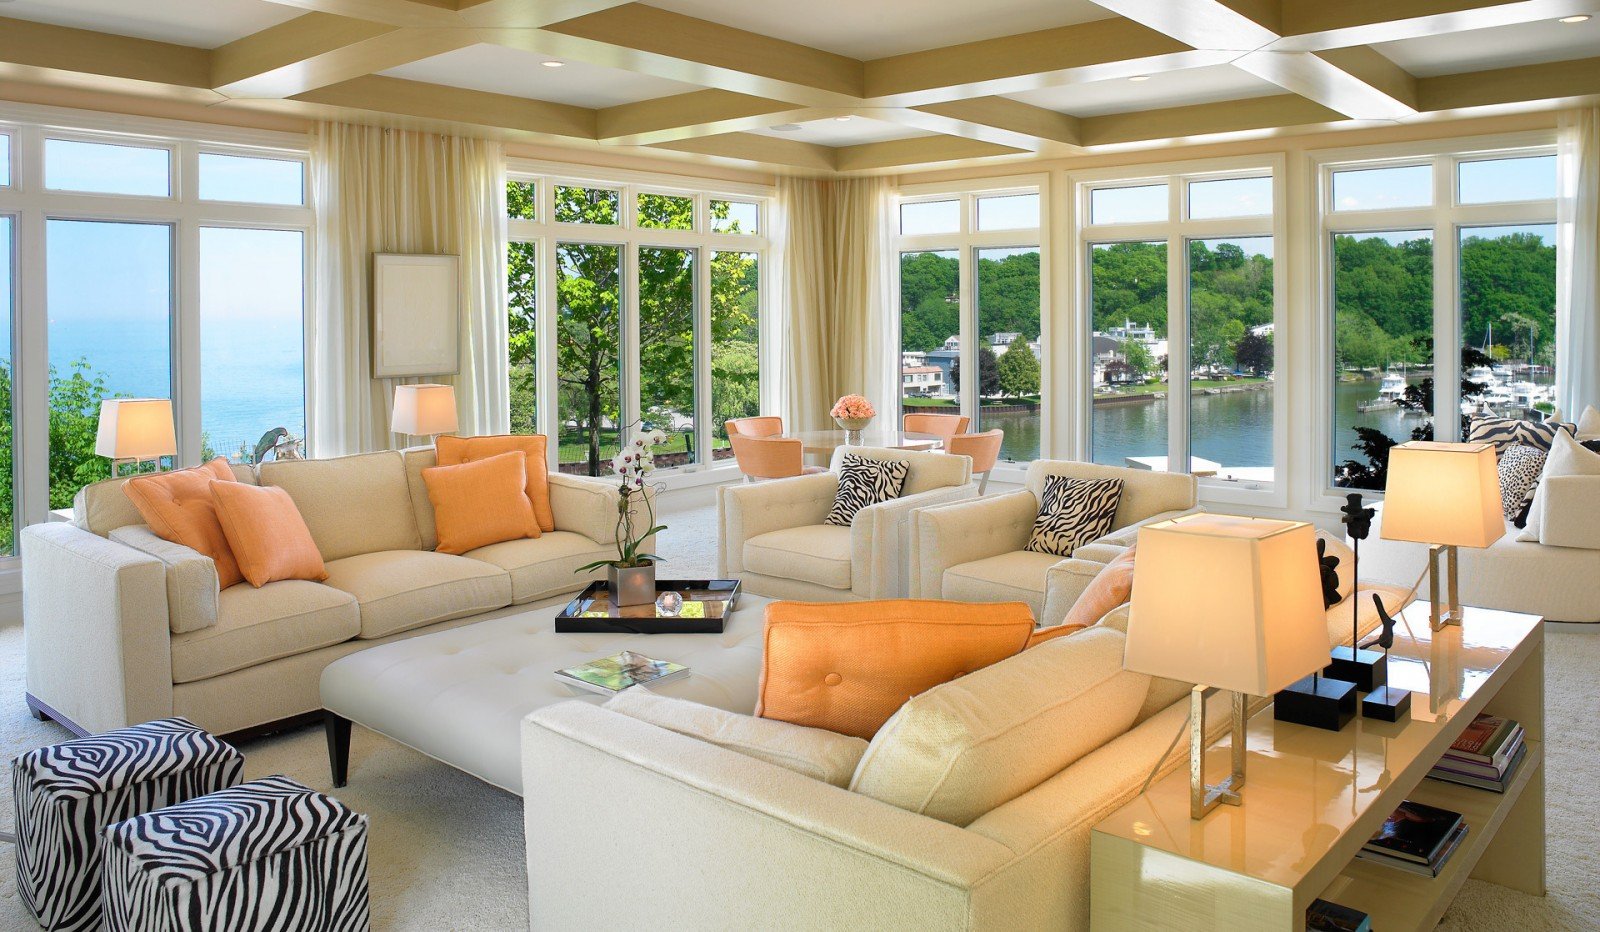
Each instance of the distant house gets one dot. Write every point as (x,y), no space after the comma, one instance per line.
(925,381)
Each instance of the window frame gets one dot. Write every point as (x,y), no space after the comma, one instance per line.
(1177,231)
(1446,218)
(967,241)
(631,237)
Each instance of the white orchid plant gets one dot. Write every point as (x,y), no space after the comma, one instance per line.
(631,466)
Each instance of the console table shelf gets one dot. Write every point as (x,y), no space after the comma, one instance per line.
(1312,798)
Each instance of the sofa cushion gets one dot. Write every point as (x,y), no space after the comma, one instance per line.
(402,589)
(179,507)
(817,753)
(455,450)
(253,626)
(481,502)
(352,504)
(965,747)
(847,666)
(268,536)
(546,565)
(417,459)
(1015,576)
(102,507)
(813,553)
(191,578)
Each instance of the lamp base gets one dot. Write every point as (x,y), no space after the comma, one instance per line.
(1318,702)
(1204,797)
(1368,669)
(1386,705)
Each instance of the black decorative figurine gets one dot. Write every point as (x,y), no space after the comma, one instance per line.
(1319,701)
(1386,703)
(1368,669)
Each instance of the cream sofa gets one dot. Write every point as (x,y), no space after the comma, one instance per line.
(123,627)
(771,535)
(973,551)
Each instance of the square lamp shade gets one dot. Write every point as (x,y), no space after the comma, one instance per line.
(423,410)
(1228,602)
(1443,493)
(136,429)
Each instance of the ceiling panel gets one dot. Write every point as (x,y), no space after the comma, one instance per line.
(500,70)
(868,29)
(206,24)
(1163,89)
(852,132)
(1500,47)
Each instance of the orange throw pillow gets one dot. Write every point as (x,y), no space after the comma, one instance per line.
(1111,587)
(848,666)
(481,503)
(453,451)
(179,507)
(269,538)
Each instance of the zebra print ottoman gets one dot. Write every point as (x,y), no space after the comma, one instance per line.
(67,793)
(270,855)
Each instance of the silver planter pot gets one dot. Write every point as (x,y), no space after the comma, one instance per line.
(632,585)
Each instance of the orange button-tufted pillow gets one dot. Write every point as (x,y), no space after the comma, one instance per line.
(848,666)
(179,507)
(453,451)
(480,503)
(268,536)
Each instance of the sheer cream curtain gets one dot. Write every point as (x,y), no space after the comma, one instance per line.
(1578,262)
(389,190)
(837,322)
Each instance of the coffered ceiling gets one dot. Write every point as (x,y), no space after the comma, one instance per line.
(826,85)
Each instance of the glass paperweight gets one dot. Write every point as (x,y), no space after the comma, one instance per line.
(670,603)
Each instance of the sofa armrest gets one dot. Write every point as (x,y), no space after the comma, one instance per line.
(1569,512)
(192,583)
(950,535)
(1127,535)
(94,615)
(593,776)
(1063,584)
(587,505)
(748,510)
(880,541)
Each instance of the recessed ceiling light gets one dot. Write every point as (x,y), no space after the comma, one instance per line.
(786,128)
(553,63)
(1573,20)
(1139,77)
(843,119)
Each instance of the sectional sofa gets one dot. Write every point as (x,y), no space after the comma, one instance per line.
(124,627)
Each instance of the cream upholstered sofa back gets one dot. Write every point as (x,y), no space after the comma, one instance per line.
(102,507)
(925,472)
(1144,493)
(352,504)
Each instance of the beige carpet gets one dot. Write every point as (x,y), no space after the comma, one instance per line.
(446,850)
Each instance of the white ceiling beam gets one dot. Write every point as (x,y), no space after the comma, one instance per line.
(699,113)
(320,49)
(1310,25)
(1204,24)
(1321,80)
(392,12)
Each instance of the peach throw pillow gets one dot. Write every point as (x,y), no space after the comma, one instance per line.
(1111,587)
(481,503)
(179,507)
(453,451)
(848,666)
(268,536)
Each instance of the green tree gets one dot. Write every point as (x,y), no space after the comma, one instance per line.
(988,374)
(1018,371)
(1136,357)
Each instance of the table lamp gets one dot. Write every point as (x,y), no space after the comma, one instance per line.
(1227,603)
(1445,495)
(133,430)
(424,410)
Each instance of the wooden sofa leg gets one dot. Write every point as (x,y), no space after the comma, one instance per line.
(338,729)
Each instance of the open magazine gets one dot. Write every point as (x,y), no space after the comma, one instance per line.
(611,675)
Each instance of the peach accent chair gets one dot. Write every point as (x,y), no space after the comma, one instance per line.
(945,425)
(973,551)
(984,449)
(762,453)
(772,535)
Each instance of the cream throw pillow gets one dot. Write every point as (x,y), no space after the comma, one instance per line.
(1567,458)
(967,746)
(813,752)
(1589,424)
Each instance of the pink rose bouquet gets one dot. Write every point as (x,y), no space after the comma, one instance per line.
(853,407)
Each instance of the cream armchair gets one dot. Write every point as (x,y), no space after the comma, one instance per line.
(771,535)
(973,551)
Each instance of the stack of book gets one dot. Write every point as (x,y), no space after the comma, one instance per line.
(1416,838)
(1486,755)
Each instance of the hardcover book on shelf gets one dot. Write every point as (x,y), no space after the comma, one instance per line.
(1488,740)
(611,675)
(1432,867)
(1323,916)
(1453,772)
(1414,832)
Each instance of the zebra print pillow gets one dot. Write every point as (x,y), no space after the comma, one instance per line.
(1507,432)
(1520,469)
(271,854)
(1074,512)
(864,482)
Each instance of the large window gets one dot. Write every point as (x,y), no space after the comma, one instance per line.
(657,300)
(970,289)
(1416,354)
(145,265)
(1179,276)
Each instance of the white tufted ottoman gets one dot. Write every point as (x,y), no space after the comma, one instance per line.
(459,696)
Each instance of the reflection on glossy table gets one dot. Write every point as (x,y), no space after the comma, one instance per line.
(824,442)
(1312,798)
